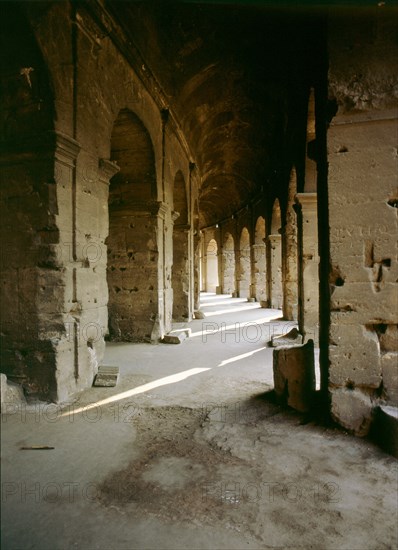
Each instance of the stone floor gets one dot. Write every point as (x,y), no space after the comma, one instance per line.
(189,451)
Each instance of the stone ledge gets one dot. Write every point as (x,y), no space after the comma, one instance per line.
(294,375)
(291,338)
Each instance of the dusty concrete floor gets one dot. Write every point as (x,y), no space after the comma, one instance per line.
(189,451)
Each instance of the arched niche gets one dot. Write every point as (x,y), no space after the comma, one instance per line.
(133,257)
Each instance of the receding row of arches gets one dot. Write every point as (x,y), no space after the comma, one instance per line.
(274,263)
(238,266)
(133,276)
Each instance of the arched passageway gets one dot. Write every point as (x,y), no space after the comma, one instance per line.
(132,270)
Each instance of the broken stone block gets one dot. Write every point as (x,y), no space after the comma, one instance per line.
(293,337)
(107,376)
(199,315)
(11,394)
(389,367)
(294,375)
(176,337)
(352,409)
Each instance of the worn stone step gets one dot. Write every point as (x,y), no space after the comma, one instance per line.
(107,376)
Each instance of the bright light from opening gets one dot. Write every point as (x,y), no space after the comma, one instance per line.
(140,389)
(239,357)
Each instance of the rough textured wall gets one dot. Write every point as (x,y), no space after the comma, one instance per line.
(32,281)
(60,198)
(181,281)
(362,148)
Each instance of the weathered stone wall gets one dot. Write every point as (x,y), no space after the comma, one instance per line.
(91,84)
(362,147)
(32,279)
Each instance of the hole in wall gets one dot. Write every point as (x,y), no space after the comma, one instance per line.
(336,277)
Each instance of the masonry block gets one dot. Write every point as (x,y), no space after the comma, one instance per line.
(294,375)
(352,409)
(389,366)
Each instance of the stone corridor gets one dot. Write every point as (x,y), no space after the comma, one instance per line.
(167,167)
(191,451)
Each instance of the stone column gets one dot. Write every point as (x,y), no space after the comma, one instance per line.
(181,272)
(289,257)
(259,286)
(275,255)
(363,201)
(196,270)
(308,260)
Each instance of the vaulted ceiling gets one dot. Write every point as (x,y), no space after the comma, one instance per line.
(233,75)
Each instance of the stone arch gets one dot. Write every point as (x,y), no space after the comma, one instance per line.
(275,257)
(228,264)
(180,270)
(260,262)
(133,256)
(244,264)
